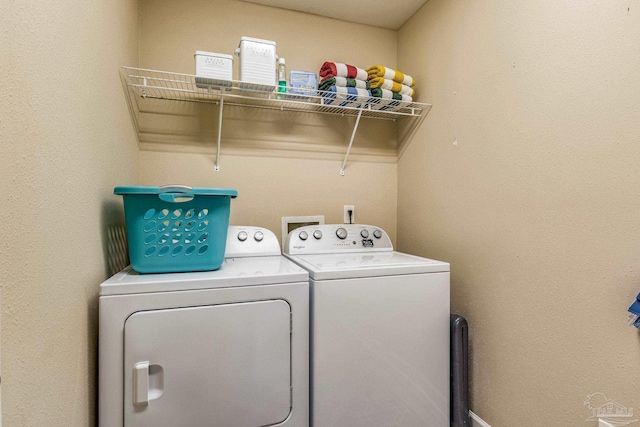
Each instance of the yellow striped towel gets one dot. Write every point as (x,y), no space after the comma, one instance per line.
(390,74)
(390,85)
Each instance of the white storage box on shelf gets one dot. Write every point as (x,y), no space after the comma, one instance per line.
(213,69)
(257,63)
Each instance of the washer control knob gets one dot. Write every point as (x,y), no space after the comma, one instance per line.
(242,236)
(317,234)
(258,236)
(364,234)
(341,233)
(303,235)
(377,234)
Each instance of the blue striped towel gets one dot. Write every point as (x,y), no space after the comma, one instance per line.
(346,96)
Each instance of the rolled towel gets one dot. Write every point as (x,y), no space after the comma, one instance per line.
(387,94)
(344,82)
(384,99)
(390,85)
(390,74)
(343,96)
(338,69)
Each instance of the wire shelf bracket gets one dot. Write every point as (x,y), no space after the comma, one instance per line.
(220,110)
(353,135)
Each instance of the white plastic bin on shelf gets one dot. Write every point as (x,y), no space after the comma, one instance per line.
(257,63)
(213,69)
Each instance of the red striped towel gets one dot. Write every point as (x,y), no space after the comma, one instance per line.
(338,69)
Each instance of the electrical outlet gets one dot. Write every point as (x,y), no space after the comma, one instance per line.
(349,219)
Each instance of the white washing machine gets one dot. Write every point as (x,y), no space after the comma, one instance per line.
(220,348)
(379,329)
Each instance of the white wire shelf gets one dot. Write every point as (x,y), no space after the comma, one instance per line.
(187,87)
(164,85)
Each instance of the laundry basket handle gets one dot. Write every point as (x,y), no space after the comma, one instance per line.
(175,188)
(174,193)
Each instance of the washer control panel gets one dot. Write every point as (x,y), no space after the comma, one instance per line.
(337,238)
(246,241)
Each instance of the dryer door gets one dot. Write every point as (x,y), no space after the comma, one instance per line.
(220,365)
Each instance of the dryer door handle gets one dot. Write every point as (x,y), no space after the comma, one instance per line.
(141,384)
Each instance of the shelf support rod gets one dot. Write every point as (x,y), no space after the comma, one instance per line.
(217,167)
(353,135)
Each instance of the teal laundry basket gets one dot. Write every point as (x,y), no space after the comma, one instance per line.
(176,228)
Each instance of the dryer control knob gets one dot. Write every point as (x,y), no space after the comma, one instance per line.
(341,233)
(258,236)
(242,236)
(317,234)
(364,234)
(303,235)
(377,234)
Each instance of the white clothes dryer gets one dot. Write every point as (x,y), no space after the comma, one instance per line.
(379,329)
(218,348)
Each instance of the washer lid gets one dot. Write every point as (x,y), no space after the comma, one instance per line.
(370,264)
(234,272)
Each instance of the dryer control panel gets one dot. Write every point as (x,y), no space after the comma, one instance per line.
(247,241)
(337,238)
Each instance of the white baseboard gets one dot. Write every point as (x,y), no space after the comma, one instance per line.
(476,421)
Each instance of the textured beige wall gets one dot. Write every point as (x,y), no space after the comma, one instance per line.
(537,207)
(282,164)
(171,32)
(270,187)
(66,141)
